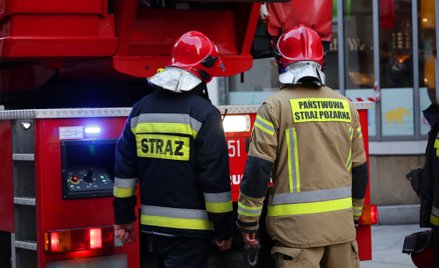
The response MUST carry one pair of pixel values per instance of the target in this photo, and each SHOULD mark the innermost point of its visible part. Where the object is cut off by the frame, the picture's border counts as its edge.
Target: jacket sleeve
(126, 176)
(256, 178)
(360, 170)
(213, 164)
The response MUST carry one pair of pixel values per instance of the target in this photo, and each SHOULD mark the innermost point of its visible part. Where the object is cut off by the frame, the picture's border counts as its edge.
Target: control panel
(87, 168)
(88, 178)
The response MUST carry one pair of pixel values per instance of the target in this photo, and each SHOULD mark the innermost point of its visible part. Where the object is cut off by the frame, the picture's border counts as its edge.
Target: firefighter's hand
(224, 244)
(125, 232)
(356, 222)
(250, 239)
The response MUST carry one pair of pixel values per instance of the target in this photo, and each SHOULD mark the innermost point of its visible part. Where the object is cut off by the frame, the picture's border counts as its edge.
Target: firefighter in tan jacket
(307, 139)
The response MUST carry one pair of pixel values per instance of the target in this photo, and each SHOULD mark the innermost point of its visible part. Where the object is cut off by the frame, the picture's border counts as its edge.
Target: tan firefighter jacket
(308, 141)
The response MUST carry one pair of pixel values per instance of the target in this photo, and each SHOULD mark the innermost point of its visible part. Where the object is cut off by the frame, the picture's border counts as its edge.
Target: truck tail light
(369, 215)
(79, 239)
(236, 123)
(95, 238)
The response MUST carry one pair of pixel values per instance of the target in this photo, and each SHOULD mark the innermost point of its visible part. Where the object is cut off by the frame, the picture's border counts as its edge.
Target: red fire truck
(69, 71)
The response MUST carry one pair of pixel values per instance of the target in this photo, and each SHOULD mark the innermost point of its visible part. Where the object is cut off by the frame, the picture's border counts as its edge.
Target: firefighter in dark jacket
(425, 181)
(173, 146)
(429, 190)
(307, 139)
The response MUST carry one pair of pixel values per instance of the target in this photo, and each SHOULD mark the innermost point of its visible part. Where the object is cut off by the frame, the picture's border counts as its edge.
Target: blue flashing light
(92, 130)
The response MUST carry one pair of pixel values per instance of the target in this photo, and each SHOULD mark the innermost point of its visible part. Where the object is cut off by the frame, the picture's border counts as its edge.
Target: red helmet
(298, 44)
(195, 53)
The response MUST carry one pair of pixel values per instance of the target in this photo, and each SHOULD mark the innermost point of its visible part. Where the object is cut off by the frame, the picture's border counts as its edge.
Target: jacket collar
(432, 114)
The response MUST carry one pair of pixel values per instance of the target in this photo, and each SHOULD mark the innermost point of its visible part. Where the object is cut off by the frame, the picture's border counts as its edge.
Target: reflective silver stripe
(249, 211)
(182, 213)
(295, 181)
(435, 211)
(310, 196)
(351, 133)
(166, 118)
(218, 197)
(267, 125)
(125, 183)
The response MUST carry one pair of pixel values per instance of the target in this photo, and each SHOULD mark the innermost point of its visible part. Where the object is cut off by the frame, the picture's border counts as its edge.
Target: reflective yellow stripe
(296, 161)
(360, 133)
(175, 128)
(309, 196)
(358, 211)
(249, 214)
(163, 146)
(351, 133)
(320, 110)
(264, 125)
(123, 192)
(178, 223)
(219, 207)
(436, 143)
(265, 121)
(249, 211)
(349, 161)
(434, 220)
(310, 208)
(290, 164)
(249, 208)
(293, 160)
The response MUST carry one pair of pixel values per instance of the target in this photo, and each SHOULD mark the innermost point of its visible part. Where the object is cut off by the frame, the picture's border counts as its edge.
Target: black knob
(89, 176)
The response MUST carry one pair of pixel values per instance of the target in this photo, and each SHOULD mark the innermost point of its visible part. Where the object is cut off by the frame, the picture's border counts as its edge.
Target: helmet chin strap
(201, 90)
(310, 82)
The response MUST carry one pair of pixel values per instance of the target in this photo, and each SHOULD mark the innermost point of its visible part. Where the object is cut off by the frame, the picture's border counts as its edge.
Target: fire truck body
(56, 194)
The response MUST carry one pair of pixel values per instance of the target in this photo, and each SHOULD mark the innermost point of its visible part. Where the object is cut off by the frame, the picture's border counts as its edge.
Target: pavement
(387, 241)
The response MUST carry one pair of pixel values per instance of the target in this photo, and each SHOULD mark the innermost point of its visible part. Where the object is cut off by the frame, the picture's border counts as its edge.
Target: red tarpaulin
(316, 14)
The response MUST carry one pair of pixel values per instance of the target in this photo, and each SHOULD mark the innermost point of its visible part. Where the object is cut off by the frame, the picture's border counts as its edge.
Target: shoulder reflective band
(320, 110)
(218, 202)
(249, 211)
(349, 160)
(360, 133)
(178, 218)
(165, 123)
(264, 125)
(317, 201)
(351, 133)
(293, 160)
(163, 146)
(124, 187)
(434, 216)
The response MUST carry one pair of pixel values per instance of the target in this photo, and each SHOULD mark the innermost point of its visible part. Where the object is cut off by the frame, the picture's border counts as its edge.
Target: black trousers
(180, 252)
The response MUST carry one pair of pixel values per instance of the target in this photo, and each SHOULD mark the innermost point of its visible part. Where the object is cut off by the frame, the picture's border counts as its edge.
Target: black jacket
(174, 146)
(429, 183)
